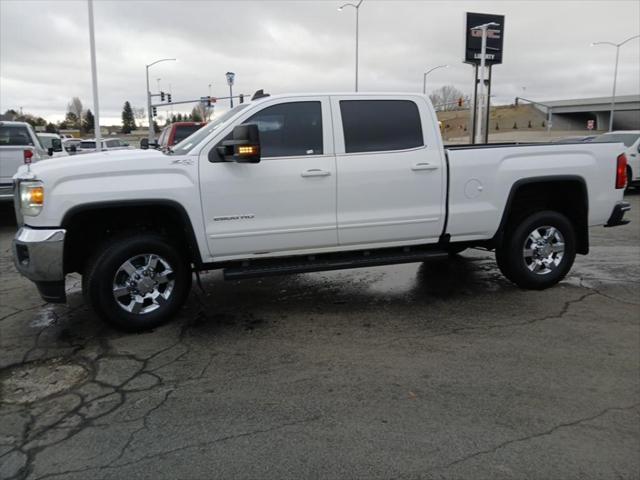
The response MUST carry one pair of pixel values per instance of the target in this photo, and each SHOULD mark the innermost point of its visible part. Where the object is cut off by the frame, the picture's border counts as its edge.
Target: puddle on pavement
(34, 381)
(44, 318)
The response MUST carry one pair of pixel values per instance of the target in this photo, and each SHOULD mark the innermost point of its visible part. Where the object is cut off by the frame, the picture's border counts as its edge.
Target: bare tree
(204, 112)
(139, 114)
(446, 97)
(75, 107)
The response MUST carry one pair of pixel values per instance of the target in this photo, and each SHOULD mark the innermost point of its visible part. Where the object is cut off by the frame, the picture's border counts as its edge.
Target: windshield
(46, 141)
(192, 140)
(626, 138)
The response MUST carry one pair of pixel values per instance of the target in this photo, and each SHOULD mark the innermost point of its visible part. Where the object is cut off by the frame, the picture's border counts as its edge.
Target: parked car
(18, 145)
(71, 145)
(584, 138)
(631, 140)
(301, 183)
(53, 144)
(89, 145)
(176, 132)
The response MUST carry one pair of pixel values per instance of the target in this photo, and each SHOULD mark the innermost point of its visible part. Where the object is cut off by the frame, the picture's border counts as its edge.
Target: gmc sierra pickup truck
(300, 183)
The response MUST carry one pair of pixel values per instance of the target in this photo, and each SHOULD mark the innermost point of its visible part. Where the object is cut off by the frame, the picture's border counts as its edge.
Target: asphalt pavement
(441, 370)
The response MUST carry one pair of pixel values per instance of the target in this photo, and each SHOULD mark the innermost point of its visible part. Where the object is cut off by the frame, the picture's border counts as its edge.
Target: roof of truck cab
(13, 123)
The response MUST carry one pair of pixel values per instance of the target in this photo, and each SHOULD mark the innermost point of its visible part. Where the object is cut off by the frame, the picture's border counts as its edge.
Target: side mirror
(56, 145)
(144, 144)
(50, 151)
(244, 146)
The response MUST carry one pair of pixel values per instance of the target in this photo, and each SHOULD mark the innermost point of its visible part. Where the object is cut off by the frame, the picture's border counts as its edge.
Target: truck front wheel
(137, 282)
(539, 251)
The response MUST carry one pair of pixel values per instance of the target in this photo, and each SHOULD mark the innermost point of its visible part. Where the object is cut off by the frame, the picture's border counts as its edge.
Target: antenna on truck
(259, 94)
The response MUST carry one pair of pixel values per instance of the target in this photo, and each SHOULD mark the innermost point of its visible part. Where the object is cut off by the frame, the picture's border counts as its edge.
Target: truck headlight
(31, 197)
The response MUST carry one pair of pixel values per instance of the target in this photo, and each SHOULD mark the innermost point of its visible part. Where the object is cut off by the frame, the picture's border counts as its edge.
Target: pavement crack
(532, 436)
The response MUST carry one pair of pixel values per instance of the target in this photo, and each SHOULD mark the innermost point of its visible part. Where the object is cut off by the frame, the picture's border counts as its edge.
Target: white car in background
(89, 145)
(631, 140)
(52, 143)
(71, 145)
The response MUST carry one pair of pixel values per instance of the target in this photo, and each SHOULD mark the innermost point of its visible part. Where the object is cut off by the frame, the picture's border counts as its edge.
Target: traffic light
(169, 97)
(155, 112)
(516, 102)
(208, 101)
(162, 96)
(460, 101)
(241, 96)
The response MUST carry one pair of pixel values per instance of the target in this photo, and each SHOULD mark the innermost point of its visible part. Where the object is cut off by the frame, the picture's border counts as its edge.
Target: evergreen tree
(88, 122)
(128, 119)
(51, 128)
(195, 115)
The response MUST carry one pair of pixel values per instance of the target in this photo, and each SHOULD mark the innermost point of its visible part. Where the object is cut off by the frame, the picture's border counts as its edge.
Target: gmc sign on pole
(495, 38)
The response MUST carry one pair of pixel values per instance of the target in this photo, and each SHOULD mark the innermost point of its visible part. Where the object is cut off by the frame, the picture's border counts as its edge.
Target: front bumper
(617, 216)
(6, 193)
(38, 255)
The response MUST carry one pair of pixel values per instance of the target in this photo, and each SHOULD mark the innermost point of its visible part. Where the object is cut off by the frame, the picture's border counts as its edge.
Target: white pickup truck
(299, 183)
(18, 145)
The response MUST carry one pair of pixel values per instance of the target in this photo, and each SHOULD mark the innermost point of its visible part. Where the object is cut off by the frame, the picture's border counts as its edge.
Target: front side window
(380, 125)
(290, 129)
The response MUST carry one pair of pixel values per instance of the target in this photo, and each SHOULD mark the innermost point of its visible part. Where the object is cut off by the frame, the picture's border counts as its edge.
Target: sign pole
(488, 110)
(473, 105)
(483, 54)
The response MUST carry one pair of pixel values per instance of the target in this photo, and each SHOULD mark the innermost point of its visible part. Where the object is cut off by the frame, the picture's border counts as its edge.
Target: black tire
(629, 178)
(516, 267)
(99, 280)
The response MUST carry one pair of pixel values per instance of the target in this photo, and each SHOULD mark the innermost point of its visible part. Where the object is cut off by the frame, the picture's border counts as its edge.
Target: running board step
(317, 263)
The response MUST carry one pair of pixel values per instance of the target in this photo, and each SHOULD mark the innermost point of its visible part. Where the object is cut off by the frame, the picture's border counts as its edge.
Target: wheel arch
(90, 222)
(549, 192)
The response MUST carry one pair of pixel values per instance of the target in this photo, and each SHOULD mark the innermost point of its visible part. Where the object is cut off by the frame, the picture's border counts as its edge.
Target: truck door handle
(424, 166)
(315, 172)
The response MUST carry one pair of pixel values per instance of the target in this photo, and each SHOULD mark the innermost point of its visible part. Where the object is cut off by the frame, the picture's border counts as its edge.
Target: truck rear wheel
(539, 251)
(137, 282)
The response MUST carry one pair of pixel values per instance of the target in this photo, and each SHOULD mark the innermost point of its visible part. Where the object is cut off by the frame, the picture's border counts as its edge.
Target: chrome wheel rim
(143, 283)
(543, 250)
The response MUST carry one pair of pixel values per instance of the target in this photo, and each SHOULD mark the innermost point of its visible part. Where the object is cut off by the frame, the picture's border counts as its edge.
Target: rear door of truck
(391, 173)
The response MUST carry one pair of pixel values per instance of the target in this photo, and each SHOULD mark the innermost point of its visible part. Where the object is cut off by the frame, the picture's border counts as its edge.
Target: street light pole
(424, 79)
(94, 80)
(230, 79)
(483, 55)
(357, 7)
(151, 135)
(615, 73)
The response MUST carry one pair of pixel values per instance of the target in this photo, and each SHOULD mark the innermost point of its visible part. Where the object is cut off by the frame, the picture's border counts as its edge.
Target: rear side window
(183, 131)
(290, 129)
(14, 135)
(380, 125)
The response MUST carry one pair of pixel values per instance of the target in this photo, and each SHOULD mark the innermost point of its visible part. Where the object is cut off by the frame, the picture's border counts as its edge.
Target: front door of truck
(285, 203)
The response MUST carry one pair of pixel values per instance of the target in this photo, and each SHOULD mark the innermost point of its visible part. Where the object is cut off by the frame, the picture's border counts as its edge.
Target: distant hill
(455, 123)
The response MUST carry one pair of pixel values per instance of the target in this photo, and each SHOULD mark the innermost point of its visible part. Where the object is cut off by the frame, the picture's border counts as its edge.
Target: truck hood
(115, 161)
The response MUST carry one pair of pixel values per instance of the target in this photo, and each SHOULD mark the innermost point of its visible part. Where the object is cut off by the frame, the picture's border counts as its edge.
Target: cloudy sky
(302, 46)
